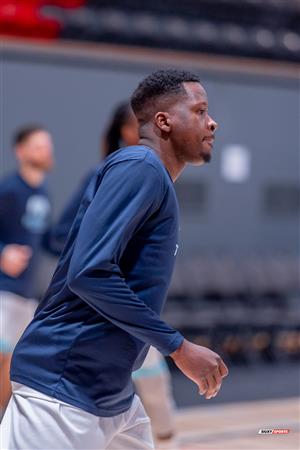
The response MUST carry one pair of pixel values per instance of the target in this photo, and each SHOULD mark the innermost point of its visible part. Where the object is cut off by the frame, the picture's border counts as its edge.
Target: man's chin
(206, 157)
(203, 158)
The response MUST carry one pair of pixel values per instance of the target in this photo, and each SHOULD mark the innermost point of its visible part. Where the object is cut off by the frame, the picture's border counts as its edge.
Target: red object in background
(64, 3)
(24, 17)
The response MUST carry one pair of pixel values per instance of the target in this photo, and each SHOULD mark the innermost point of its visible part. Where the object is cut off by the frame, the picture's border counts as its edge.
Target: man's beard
(206, 157)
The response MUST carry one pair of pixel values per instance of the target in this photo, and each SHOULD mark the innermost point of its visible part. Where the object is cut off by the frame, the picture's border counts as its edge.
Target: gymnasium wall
(73, 96)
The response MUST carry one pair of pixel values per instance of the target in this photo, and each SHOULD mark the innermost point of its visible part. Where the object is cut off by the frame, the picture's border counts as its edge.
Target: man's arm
(14, 258)
(122, 204)
(129, 193)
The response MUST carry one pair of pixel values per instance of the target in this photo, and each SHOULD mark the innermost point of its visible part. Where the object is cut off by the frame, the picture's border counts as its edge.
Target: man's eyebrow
(202, 104)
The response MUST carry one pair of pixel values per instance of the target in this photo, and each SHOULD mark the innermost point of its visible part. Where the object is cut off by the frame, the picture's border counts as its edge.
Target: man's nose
(212, 125)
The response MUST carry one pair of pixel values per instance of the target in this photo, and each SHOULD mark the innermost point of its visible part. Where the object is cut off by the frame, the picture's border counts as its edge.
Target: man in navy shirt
(24, 218)
(152, 381)
(71, 370)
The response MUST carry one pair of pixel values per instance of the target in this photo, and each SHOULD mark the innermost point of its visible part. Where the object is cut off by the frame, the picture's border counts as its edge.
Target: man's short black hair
(160, 84)
(23, 133)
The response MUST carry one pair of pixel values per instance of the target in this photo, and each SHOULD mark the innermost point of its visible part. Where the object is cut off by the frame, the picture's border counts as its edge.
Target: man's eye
(202, 112)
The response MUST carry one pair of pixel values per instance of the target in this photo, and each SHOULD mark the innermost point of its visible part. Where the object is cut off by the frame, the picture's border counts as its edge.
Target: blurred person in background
(153, 381)
(72, 368)
(24, 219)
(121, 131)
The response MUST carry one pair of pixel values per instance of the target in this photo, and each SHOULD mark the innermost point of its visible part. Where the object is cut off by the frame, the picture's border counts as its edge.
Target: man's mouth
(209, 139)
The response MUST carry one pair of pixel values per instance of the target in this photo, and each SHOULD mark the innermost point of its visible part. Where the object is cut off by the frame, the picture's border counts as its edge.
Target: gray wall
(74, 100)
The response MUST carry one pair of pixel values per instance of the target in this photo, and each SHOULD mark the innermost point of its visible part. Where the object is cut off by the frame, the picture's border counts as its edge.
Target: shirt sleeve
(128, 194)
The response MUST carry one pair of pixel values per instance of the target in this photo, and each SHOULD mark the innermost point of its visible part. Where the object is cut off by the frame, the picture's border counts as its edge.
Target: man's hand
(14, 259)
(201, 365)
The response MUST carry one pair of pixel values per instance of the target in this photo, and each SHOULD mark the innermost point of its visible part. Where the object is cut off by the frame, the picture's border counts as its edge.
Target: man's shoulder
(131, 153)
(134, 154)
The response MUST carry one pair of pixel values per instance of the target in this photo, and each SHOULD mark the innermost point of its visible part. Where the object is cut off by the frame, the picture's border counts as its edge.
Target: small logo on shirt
(37, 214)
(176, 249)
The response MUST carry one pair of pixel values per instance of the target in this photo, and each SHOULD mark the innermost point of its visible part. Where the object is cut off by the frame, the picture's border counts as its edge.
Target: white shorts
(15, 314)
(35, 421)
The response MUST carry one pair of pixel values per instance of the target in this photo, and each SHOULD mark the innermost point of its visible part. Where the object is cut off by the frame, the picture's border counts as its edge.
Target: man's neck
(168, 158)
(32, 175)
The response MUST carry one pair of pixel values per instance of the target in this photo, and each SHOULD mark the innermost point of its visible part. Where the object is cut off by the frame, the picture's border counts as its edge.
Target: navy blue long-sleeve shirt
(102, 308)
(24, 218)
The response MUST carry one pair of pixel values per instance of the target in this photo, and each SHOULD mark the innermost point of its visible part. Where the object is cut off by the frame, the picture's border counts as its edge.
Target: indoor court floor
(236, 426)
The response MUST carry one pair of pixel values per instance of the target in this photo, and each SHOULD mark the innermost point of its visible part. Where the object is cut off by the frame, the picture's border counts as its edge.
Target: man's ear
(163, 121)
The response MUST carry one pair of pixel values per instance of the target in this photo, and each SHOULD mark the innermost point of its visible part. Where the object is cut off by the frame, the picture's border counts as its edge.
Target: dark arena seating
(246, 308)
(250, 28)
